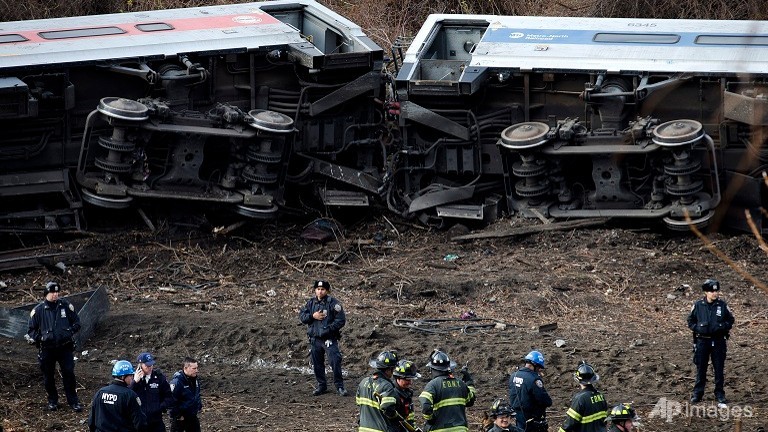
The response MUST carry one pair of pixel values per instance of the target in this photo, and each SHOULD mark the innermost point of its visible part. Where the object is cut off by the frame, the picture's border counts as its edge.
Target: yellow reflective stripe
(593, 417)
(572, 413)
(365, 429)
(451, 429)
(365, 401)
(387, 400)
(450, 402)
(426, 395)
(561, 430)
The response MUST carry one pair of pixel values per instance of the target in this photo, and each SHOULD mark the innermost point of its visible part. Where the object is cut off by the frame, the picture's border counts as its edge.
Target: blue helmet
(535, 358)
(122, 368)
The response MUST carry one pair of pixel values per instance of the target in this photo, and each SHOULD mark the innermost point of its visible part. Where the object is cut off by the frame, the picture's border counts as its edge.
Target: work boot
(721, 399)
(695, 398)
(53, 406)
(319, 391)
(342, 392)
(76, 407)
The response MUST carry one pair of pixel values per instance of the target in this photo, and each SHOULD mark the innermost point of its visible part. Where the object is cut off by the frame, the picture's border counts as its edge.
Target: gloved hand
(467, 377)
(29, 339)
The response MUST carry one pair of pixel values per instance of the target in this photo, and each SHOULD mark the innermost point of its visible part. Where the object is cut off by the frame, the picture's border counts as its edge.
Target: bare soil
(619, 297)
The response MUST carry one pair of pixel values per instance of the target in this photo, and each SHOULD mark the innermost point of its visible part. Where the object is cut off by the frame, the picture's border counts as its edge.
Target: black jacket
(527, 394)
(116, 408)
(587, 412)
(54, 325)
(330, 326)
(186, 396)
(710, 319)
(443, 403)
(155, 395)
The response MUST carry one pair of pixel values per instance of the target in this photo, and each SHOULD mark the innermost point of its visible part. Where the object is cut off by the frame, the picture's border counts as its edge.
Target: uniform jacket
(155, 394)
(376, 398)
(330, 326)
(54, 325)
(404, 405)
(116, 408)
(587, 412)
(443, 403)
(710, 319)
(186, 396)
(527, 394)
(511, 428)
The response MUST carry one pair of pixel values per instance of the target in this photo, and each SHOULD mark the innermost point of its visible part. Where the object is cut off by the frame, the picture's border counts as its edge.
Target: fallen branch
(557, 226)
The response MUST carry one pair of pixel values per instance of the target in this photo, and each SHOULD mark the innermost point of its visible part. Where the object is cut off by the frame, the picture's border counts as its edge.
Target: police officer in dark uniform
(404, 374)
(324, 318)
(115, 407)
(445, 398)
(527, 395)
(187, 403)
(52, 327)
(710, 321)
(588, 407)
(376, 396)
(153, 389)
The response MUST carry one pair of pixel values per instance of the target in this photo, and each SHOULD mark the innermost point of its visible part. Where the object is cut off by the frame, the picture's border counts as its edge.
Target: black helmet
(52, 287)
(406, 369)
(585, 374)
(500, 407)
(385, 360)
(621, 412)
(710, 285)
(440, 361)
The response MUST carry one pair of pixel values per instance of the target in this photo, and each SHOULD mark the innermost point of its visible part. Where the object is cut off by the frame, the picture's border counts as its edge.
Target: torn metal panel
(419, 114)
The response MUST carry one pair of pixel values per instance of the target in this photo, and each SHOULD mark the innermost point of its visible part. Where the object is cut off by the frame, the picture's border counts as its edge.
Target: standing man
(588, 407)
(154, 391)
(710, 321)
(185, 389)
(324, 318)
(502, 415)
(527, 395)
(116, 407)
(445, 398)
(621, 419)
(52, 327)
(404, 374)
(376, 396)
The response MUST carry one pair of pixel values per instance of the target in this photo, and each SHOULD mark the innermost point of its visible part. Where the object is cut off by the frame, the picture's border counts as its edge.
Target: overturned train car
(584, 117)
(262, 109)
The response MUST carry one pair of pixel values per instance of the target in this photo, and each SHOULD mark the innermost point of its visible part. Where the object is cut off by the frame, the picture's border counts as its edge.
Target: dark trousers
(155, 426)
(318, 351)
(48, 357)
(188, 424)
(706, 349)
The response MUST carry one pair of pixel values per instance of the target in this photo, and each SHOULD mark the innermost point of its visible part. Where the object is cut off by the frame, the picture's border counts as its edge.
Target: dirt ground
(618, 295)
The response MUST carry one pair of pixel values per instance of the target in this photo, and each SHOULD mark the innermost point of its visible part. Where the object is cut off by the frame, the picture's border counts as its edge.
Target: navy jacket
(710, 319)
(155, 395)
(116, 408)
(54, 325)
(527, 394)
(330, 326)
(186, 396)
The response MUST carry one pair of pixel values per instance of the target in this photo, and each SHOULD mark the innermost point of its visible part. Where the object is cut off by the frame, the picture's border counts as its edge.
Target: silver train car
(582, 118)
(250, 108)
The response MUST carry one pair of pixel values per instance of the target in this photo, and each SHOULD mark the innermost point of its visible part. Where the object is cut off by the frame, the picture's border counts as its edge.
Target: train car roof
(168, 33)
(528, 43)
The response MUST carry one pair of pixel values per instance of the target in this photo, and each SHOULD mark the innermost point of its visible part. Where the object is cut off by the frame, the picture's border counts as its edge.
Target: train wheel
(106, 202)
(683, 225)
(263, 213)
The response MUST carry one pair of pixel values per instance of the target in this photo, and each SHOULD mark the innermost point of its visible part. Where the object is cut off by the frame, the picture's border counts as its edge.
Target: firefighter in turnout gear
(404, 374)
(710, 321)
(445, 398)
(622, 418)
(527, 395)
(503, 418)
(117, 408)
(376, 396)
(588, 407)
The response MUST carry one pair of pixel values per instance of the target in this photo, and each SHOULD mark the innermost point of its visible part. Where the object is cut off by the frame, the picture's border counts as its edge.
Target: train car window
(731, 40)
(8, 38)
(84, 32)
(153, 27)
(644, 38)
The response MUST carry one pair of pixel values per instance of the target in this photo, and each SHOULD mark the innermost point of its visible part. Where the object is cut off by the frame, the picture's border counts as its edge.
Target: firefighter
(502, 416)
(588, 407)
(445, 398)
(404, 374)
(710, 321)
(527, 395)
(376, 396)
(622, 418)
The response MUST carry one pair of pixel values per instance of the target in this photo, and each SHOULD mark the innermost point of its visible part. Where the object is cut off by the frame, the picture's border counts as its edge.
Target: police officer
(445, 398)
(187, 404)
(376, 396)
(502, 415)
(153, 389)
(527, 395)
(52, 327)
(622, 418)
(117, 408)
(710, 321)
(405, 373)
(324, 318)
(588, 407)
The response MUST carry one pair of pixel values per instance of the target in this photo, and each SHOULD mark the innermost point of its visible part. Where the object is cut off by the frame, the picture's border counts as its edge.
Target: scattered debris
(560, 343)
